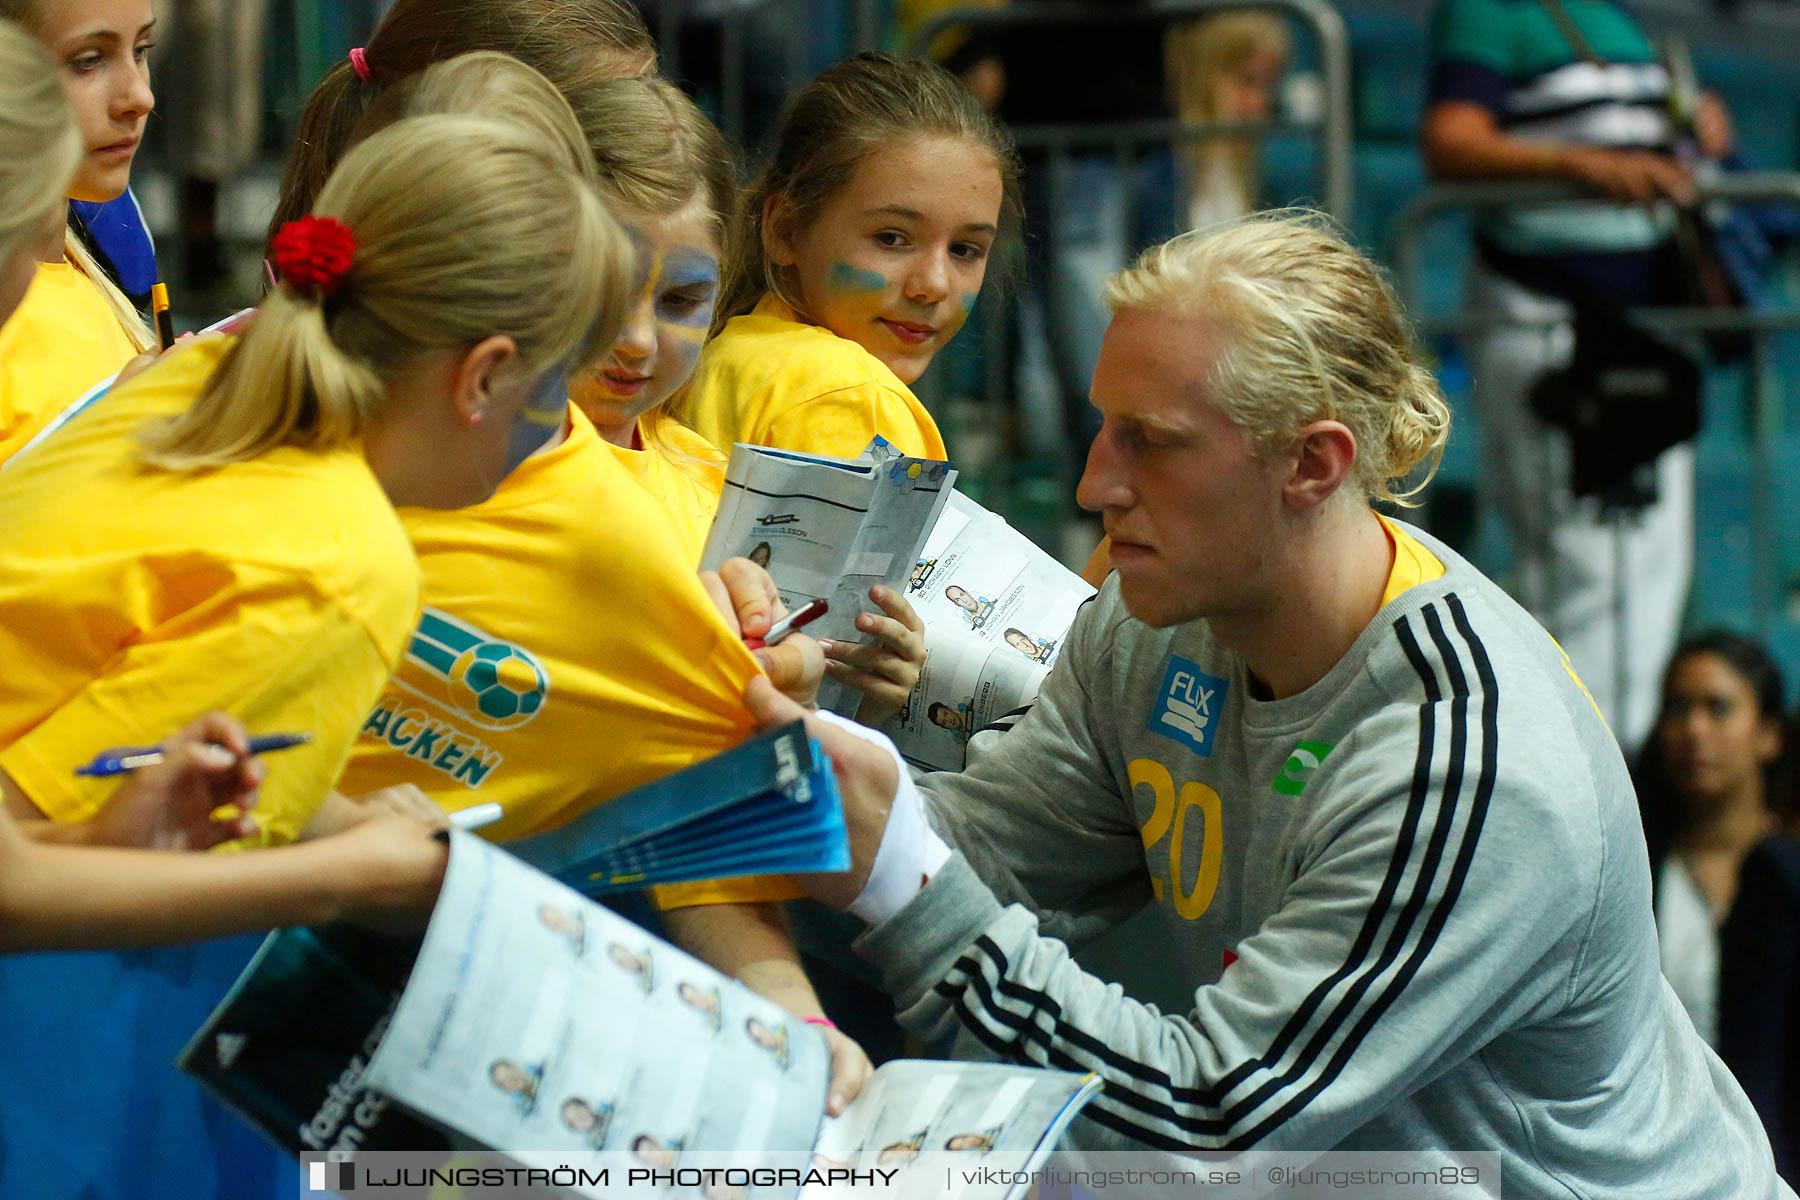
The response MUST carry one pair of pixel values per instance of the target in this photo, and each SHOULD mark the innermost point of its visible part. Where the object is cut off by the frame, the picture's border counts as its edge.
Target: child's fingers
(896, 605)
(906, 643)
(215, 729)
(879, 675)
(753, 596)
(874, 658)
(878, 687)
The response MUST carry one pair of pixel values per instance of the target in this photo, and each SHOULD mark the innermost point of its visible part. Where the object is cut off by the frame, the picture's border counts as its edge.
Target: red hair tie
(359, 62)
(314, 253)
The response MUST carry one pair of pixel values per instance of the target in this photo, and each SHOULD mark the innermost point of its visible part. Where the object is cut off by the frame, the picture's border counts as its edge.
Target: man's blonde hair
(1312, 332)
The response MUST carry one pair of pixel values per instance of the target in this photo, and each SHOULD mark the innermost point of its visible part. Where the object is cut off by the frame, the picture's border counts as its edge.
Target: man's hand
(886, 667)
(745, 596)
(1629, 176)
(1712, 127)
(867, 779)
(169, 806)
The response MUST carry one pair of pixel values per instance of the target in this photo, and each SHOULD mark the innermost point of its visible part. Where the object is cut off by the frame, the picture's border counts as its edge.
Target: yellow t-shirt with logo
(62, 340)
(772, 380)
(683, 470)
(606, 665)
(281, 589)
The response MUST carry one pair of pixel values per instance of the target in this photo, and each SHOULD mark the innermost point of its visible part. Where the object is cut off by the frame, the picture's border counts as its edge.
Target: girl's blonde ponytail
(465, 227)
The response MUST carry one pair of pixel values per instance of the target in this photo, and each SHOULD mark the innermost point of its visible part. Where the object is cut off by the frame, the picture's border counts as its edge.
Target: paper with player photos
(535, 1019)
(996, 610)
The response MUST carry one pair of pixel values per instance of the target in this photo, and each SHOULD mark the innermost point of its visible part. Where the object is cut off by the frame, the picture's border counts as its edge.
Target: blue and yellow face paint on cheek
(673, 310)
(964, 309)
(540, 419)
(847, 278)
(687, 290)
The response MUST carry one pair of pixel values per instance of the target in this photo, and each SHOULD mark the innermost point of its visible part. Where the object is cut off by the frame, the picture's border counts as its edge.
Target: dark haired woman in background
(1718, 815)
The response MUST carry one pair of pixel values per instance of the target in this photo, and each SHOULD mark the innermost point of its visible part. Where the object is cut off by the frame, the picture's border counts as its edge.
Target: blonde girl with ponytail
(221, 533)
(623, 671)
(96, 883)
(75, 328)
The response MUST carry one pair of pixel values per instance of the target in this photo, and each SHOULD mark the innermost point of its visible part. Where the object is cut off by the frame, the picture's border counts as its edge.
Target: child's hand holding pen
(745, 595)
(192, 792)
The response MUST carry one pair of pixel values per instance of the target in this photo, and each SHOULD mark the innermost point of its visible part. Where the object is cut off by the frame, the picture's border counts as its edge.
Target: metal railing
(1337, 180)
(1757, 325)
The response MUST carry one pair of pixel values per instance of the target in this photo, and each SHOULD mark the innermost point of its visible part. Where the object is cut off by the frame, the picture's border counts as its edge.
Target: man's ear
(472, 383)
(777, 245)
(1323, 456)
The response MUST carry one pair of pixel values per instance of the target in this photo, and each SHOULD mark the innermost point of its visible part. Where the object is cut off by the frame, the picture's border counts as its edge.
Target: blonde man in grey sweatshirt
(1394, 846)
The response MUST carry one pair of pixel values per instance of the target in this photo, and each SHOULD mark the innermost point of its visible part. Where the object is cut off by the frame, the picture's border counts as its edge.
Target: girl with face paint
(865, 243)
(568, 651)
(668, 173)
(221, 531)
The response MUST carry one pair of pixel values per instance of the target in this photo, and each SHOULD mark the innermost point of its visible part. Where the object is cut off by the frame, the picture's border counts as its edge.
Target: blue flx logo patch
(1188, 706)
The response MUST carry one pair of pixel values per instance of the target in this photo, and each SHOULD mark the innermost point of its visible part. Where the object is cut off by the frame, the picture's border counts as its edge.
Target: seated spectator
(1707, 787)
(1718, 807)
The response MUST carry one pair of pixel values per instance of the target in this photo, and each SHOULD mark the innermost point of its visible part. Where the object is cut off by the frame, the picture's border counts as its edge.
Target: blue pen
(124, 759)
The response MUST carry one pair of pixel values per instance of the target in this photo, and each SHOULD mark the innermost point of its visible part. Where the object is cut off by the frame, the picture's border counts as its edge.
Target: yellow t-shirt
(62, 340)
(280, 589)
(684, 471)
(607, 666)
(772, 380)
(1413, 563)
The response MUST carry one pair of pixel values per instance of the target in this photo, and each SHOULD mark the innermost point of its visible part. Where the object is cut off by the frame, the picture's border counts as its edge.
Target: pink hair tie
(359, 62)
(827, 1022)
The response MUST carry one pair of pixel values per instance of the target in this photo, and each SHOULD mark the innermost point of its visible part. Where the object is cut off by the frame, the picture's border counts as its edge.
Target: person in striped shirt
(1572, 91)
(1393, 847)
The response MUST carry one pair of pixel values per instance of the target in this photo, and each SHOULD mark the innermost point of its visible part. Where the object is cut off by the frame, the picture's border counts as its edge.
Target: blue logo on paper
(1188, 706)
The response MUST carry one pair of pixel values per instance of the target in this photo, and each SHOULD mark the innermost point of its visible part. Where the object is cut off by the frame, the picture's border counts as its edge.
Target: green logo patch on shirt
(1304, 760)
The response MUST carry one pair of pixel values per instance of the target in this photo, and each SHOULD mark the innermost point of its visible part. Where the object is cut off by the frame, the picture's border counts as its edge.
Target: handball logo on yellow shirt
(494, 684)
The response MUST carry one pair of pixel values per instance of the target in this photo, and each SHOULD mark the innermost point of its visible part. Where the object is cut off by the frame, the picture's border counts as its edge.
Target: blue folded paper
(767, 807)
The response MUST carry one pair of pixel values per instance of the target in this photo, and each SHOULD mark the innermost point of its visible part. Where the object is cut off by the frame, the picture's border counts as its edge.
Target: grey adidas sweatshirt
(1413, 902)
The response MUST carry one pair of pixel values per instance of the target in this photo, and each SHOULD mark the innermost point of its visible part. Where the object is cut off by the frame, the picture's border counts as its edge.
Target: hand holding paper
(885, 667)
